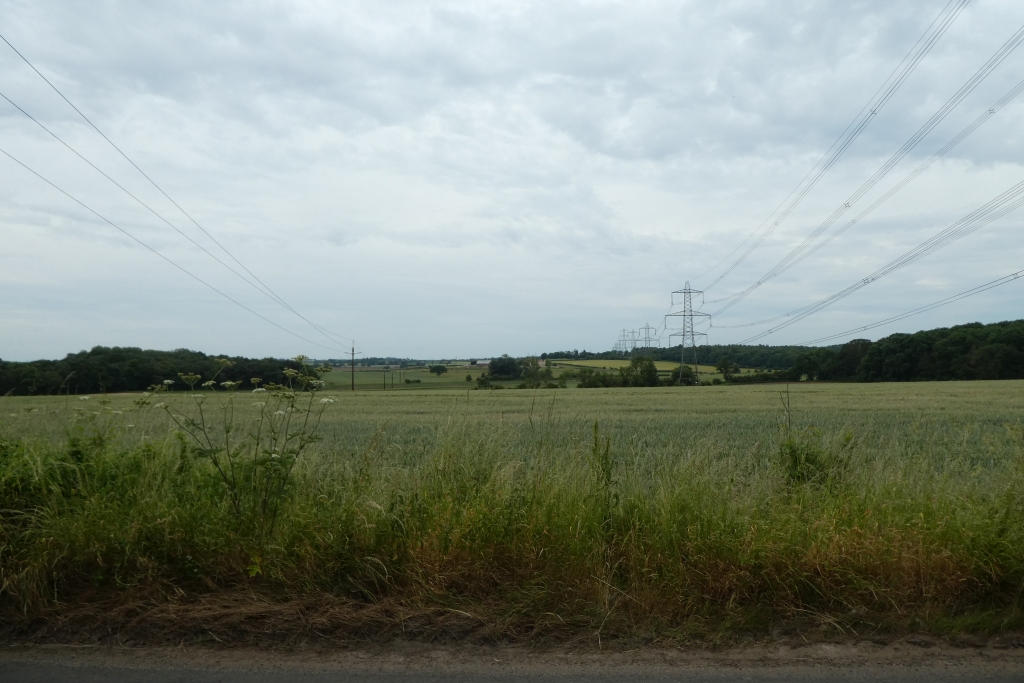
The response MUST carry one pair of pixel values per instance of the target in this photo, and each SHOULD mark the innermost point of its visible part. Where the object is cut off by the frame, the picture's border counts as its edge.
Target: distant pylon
(625, 343)
(690, 319)
(647, 337)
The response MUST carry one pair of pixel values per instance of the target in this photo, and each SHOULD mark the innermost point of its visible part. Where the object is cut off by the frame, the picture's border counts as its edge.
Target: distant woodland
(105, 369)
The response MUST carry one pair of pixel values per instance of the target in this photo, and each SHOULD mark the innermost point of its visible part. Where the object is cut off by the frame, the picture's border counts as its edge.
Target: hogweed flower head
(190, 378)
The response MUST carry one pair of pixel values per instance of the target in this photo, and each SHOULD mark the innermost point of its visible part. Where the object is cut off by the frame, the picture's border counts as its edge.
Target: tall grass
(546, 521)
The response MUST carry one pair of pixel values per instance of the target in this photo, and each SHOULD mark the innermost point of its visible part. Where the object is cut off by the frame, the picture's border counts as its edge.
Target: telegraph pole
(353, 368)
(690, 318)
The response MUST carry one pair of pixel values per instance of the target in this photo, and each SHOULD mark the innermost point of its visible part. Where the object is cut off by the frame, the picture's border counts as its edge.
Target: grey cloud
(604, 152)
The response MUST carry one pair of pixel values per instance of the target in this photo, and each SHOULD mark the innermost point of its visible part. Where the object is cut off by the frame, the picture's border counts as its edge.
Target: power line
(139, 201)
(281, 301)
(923, 309)
(910, 177)
(998, 207)
(165, 258)
(932, 34)
(967, 88)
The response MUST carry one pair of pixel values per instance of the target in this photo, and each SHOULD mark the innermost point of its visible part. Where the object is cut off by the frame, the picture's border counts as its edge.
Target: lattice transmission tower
(646, 337)
(625, 342)
(690, 320)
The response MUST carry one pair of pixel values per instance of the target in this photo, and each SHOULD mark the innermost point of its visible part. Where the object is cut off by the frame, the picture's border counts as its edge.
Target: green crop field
(673, 513)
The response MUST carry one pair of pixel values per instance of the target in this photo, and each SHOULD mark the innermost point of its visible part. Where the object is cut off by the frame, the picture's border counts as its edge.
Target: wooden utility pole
(353, 368)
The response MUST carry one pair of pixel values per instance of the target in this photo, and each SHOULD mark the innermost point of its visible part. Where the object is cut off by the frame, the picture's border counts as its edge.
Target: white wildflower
(279, 412)
(327, 400)
(159, 405)
(168, 382)
(259, 390)
(259, 404)
(84, 398)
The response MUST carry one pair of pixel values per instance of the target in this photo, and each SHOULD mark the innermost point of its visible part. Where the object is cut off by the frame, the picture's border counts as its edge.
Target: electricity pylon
(690, 320)
(646, 337)
(625, 343)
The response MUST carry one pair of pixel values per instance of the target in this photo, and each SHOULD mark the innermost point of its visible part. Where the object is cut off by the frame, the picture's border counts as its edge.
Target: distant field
(373, 379)
(672, 513)
(663, 366)
(377, 379)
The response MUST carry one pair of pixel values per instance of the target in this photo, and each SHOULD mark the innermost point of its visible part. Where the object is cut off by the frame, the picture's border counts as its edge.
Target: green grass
(685, 513)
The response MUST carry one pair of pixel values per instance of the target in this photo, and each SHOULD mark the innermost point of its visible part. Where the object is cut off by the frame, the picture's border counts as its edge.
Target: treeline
(105, 369)
(760, 357)
(964, 352)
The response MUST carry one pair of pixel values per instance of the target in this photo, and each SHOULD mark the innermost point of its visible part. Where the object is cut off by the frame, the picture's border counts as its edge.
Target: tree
(469, 378)
(438, 369)
(505, 368)
(687, 374)
(727, 367)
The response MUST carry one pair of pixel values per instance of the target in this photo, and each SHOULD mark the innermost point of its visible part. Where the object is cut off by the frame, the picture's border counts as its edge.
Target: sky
(466, 179)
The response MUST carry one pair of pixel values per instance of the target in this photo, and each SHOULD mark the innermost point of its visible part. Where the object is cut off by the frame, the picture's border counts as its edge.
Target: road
(855, 663)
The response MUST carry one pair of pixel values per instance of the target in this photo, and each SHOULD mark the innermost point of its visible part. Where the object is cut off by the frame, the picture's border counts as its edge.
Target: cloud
(494, 176)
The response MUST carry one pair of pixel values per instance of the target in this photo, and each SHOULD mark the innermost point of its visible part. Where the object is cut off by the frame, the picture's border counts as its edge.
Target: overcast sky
(446, 179)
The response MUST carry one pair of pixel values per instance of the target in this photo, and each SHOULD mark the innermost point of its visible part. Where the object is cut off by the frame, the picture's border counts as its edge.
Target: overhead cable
(165, 258)
(973, 82)
(321, 330)
(998, 207)
(932, 34)
(142, 203)
(910, 177)
(923, 309)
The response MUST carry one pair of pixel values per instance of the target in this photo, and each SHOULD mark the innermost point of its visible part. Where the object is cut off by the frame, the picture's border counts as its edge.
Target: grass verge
(552, 527)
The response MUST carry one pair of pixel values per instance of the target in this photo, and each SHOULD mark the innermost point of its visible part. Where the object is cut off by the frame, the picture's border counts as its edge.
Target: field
(378, 379)
(672, 513)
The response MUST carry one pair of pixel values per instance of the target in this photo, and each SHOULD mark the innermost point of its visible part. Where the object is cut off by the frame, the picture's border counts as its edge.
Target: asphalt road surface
(855, 663)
